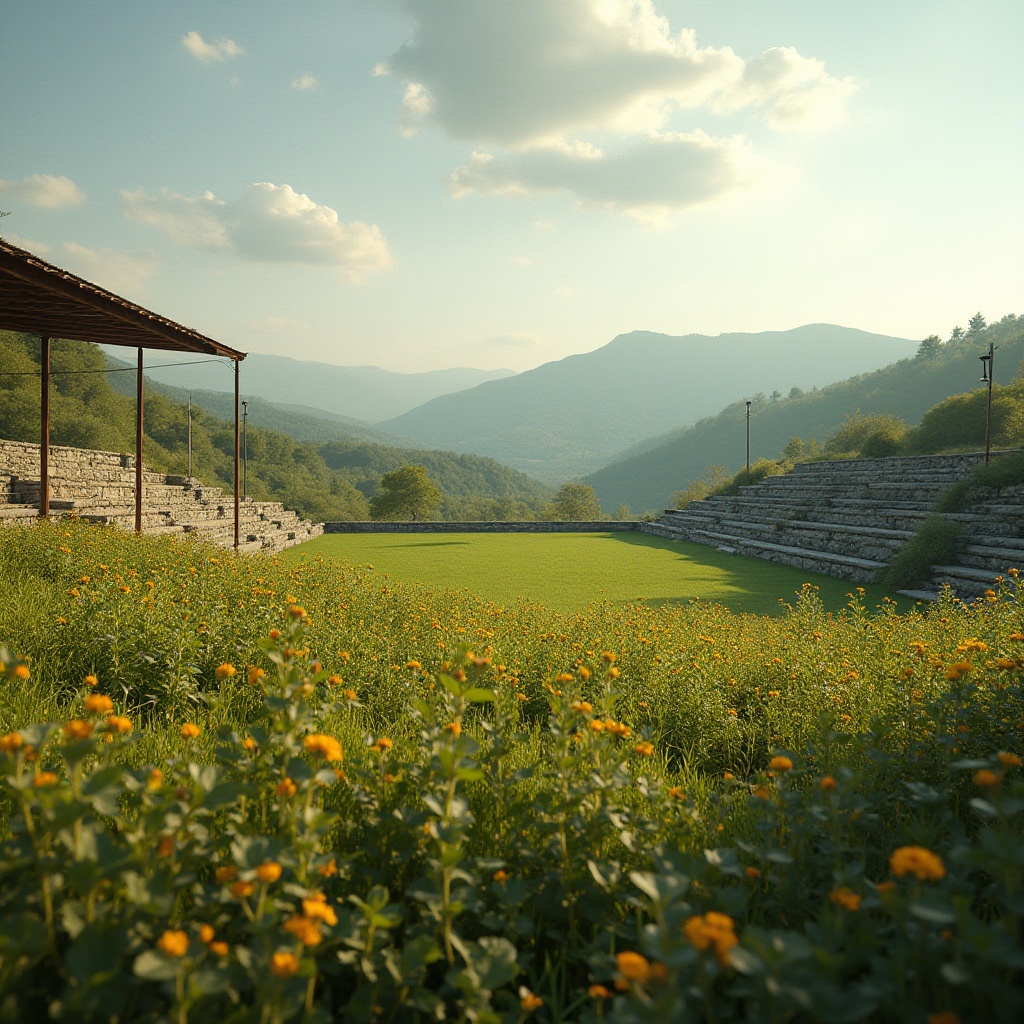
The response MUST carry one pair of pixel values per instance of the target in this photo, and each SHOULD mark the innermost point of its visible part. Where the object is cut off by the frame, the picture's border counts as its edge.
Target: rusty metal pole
(44, 436)
(237, 445)
(139, 401)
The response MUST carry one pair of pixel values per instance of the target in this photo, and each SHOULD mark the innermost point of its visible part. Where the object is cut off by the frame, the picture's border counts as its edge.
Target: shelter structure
(39, 298)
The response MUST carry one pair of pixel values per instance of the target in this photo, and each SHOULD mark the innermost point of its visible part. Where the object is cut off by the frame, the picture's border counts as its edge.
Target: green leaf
(96, 954)
(154, 967)
(479, 695)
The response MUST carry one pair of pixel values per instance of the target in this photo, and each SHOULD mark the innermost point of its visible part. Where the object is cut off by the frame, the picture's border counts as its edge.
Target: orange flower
(676, 792)
(598, 992)
(827, 784)
(633, 966)
(529, 1002)
(752, 872)
(90, 681)
(77, 729)
(501, 877)
(644, 749)
(986, 779)
(321, 745)
(219, 948)
(249, 744)
(173, 944)
(240, 890)
(165, 847)
(917, 861)
(12, 741)
(255, 675)
(206, 933)
(269, 871)
(118, 723)
(225, 873)
(283, 965)
(845, 898)
(317, 907)
(21, 672)
(98, 704)
(1009, 760)
(306, 930)
(712, 931)
(383, 744)
(943, 1017)
(454, 728)
(779, 763)
(42, 779)
(190, 730)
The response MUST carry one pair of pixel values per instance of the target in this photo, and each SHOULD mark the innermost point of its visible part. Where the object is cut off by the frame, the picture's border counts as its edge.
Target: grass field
(569, 571)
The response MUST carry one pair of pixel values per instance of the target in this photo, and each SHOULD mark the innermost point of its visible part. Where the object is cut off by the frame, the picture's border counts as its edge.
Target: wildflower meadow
(244, 789)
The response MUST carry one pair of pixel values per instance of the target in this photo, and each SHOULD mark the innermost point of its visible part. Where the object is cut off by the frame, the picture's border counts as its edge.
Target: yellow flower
(598, 992)
(383, 744)
(958, 669)
(917, 861)
(219, 948)
(286, 787)
(306, 930)
(283, 965)
(583, 706)
(255, 675)
(91, 681)
(633, 966)
(43, 779)
(644, 749)
(454, 728)
(225, 671)
(415, 665)
(269, 871)
(845, 898)
(780, 764)
(77, 729)
(118, 723)
(321, 745)
(249, 744)
(190, 730)
(98, 704)
(173, 944)
(240, 890)
(676, 792)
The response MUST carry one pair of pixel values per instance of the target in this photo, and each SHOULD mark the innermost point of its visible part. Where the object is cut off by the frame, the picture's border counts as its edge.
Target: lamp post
(245, 452)
(987, 373)
(190, 435)
(748, 441)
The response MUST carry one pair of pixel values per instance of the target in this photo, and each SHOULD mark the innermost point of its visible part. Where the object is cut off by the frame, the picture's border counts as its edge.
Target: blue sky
(469, 182)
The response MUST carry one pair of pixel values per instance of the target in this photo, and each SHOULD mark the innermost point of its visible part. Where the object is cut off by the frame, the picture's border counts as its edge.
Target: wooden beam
(44, 427)
(139, 401)
(236, 455)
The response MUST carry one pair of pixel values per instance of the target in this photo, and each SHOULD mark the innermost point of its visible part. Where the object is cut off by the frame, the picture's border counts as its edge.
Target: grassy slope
(569, 571)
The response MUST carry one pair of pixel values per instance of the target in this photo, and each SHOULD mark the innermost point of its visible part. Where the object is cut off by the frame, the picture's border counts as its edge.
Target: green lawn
(568, 571)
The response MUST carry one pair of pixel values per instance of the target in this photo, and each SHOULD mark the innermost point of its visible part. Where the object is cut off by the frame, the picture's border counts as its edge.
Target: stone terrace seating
(100, 487)
(850, 518)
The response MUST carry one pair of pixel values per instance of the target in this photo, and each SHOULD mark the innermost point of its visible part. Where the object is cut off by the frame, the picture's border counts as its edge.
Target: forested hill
(331, 481)
(906, 389)
(574, 415)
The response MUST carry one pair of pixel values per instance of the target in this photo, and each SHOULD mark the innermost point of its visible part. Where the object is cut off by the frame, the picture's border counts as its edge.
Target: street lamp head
(985, 368)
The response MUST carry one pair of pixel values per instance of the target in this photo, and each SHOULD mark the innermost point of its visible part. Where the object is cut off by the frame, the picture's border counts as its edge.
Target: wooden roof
(37, 297)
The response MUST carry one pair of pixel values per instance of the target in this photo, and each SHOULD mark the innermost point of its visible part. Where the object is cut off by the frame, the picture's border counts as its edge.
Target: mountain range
(572, 416)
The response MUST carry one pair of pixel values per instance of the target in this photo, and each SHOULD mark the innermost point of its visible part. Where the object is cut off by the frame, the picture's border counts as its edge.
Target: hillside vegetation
(571, 416)
(331, 481)
(245, 791)
(905, 391)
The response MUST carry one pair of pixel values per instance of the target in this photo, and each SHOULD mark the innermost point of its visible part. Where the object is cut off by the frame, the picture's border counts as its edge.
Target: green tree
(929, 347)
(976, 324)
(405, 493)
(574, 502)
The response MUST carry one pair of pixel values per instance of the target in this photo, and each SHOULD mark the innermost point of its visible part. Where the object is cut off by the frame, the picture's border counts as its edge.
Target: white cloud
(797, 91)
(120, 272)
(648, 180)
(523, 261)
(48, 190)
(220, 49)
(380, 70)
(271, 223)
(305, 83)
(279, 325)
(538, 87)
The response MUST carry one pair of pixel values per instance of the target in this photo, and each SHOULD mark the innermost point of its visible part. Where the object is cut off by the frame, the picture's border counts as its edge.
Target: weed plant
(236, 789)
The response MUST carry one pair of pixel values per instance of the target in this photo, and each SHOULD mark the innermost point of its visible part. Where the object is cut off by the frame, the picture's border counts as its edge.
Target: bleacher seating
(850, 518)
(100, 487)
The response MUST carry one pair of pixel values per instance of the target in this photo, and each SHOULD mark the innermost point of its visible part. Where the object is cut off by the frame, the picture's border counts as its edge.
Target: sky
(434, 183)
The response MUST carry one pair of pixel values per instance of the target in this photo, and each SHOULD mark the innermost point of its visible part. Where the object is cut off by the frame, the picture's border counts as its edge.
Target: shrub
(936, 542)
